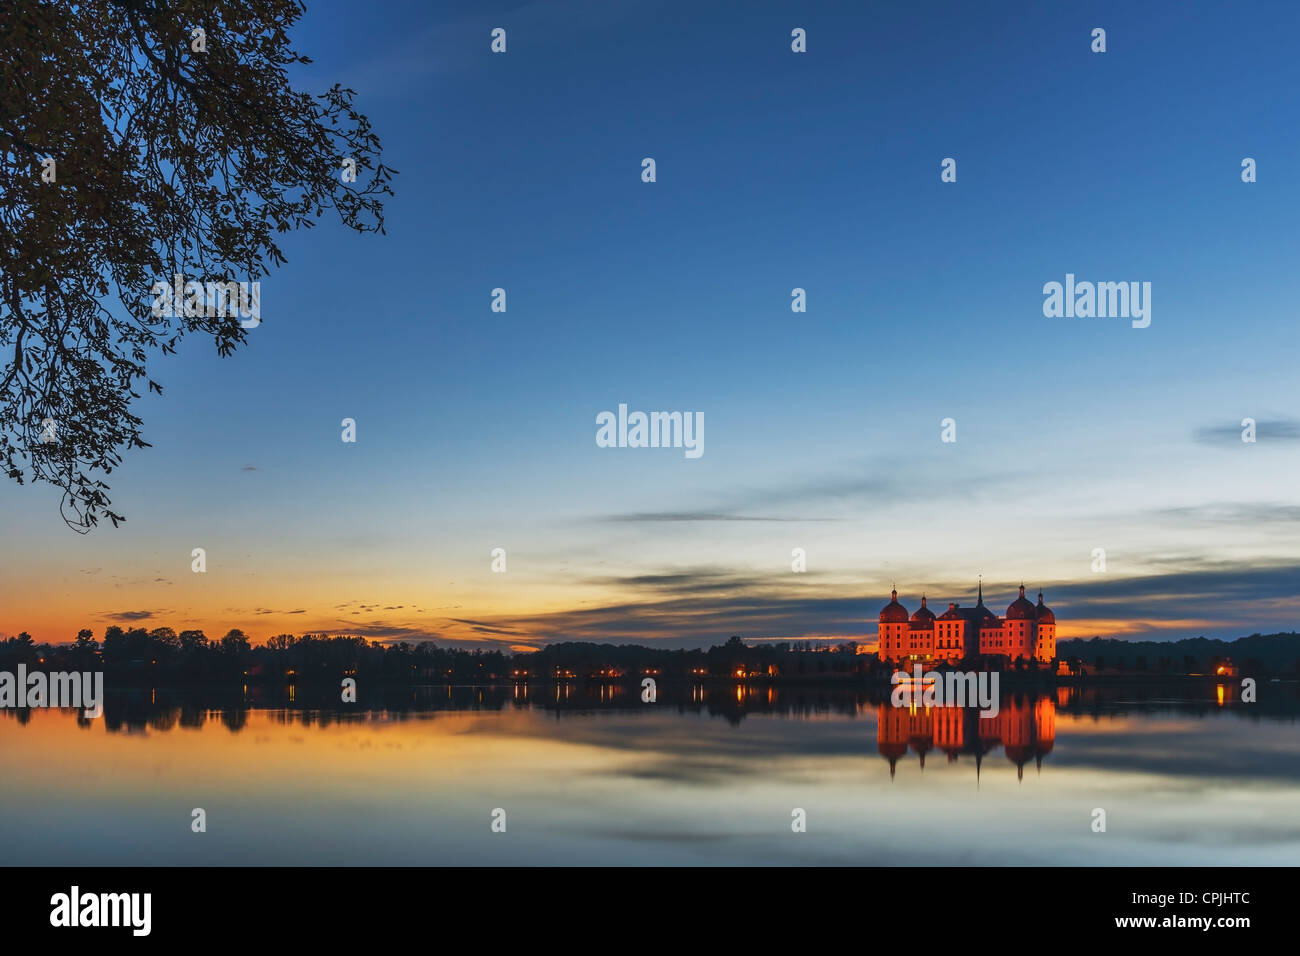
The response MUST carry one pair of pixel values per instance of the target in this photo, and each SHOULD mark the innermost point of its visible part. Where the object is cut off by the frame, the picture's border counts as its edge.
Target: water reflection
(1024, 727)
(707, 774)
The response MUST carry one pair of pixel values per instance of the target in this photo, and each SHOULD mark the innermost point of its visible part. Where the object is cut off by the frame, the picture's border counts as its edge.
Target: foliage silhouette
(166, 161)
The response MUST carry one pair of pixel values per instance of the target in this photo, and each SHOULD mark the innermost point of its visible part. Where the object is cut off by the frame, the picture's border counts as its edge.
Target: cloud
(880, 482)
(484, 627)
(1234, 513)
(697, 516)
(130, 616)
(854, 487)
(699, 607)
(696, 580)
(1278, 429)
(384, 631)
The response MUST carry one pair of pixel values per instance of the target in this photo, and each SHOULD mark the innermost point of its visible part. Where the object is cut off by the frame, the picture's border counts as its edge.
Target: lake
(709, 774)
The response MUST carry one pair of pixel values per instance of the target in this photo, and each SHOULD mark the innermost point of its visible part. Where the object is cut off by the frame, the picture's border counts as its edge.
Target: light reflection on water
(708, 774)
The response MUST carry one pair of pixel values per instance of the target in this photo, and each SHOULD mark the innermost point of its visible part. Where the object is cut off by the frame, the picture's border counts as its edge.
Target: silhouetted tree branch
(166, 161)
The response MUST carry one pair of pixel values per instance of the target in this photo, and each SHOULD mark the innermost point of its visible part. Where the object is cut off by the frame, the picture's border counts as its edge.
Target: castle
(1026, 632)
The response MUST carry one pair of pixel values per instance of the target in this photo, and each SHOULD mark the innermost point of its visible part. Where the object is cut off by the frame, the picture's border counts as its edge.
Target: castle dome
(923, 614)
(893, 612)
(1044, 613)
(1020, 609)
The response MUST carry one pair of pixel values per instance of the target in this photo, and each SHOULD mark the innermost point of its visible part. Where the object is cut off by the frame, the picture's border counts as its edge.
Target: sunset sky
(476, 430)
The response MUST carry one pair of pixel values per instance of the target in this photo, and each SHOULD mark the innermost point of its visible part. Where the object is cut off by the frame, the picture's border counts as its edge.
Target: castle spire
(981, 596)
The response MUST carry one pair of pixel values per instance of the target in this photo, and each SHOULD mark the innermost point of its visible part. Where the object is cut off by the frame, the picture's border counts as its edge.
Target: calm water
(708, 775)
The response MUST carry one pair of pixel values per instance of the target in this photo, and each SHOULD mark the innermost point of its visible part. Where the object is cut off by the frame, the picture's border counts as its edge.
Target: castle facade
(1027, 632)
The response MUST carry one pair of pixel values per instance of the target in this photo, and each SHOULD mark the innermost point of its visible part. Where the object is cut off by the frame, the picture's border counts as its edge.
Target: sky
(775, 170)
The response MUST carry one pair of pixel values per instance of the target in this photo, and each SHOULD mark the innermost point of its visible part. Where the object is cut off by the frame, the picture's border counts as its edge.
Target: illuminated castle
(1027, 631)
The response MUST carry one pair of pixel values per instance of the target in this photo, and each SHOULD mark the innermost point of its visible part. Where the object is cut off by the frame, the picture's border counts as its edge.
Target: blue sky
(775, 170)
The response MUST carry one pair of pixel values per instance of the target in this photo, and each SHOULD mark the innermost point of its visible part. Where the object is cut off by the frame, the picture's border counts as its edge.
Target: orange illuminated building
(1027, 632)
(1024, 730)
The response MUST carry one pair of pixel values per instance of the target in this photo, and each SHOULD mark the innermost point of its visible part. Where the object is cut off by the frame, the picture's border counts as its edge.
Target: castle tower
(894, 629)
(921, 633)
(1046, 621)
(1021, 628)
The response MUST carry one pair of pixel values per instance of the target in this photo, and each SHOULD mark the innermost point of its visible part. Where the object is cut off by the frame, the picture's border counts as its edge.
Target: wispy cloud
(382, 630)
(485, 627)
(849, 489)
(697, 516)
(698, 607)
(1234, 512)
(1277, 429)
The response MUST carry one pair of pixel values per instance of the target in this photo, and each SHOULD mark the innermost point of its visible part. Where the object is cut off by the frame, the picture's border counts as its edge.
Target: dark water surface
(709, 774)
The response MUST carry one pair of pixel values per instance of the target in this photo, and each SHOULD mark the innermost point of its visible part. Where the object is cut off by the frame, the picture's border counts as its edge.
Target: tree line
(192, 655)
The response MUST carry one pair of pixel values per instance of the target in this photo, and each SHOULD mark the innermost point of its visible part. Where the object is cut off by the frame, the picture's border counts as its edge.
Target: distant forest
(1265, 654)
(191, 656)
(162, 653)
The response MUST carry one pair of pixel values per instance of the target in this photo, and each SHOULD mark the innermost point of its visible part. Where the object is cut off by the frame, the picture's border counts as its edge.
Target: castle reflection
(1025, 729)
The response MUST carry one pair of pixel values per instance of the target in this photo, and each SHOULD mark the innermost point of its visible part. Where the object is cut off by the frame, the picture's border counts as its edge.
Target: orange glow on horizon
(53, 604)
